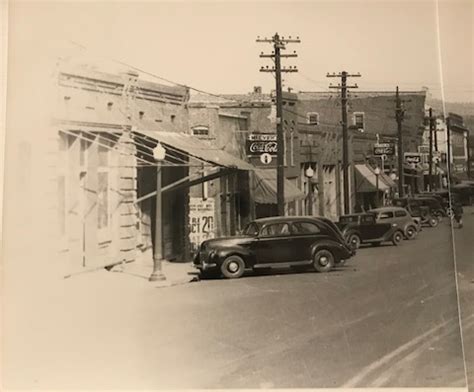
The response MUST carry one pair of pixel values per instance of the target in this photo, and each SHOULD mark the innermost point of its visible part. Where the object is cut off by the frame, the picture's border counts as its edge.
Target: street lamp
(377, 173)
(309, 173)
(159, 153)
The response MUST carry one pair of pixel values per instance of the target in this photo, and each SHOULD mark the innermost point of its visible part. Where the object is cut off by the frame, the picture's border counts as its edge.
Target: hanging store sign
(261, 143)
(201, 221)
(384, 149)
(412, 158)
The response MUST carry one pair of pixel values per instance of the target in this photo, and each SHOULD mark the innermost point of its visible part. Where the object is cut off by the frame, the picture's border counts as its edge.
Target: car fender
(338, 249)
(351, 231)
(247, 255)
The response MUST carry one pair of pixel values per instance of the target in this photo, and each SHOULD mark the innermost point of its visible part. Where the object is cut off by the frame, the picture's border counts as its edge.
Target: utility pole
(430, 163)
(448, 146)
(279, 43)
(399, 115)
(345, 139)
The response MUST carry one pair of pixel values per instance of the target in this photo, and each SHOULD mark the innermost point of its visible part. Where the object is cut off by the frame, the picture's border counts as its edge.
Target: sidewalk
(135, 275)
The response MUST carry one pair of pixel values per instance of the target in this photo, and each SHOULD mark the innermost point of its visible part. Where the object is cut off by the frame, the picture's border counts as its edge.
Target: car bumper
(204, 263)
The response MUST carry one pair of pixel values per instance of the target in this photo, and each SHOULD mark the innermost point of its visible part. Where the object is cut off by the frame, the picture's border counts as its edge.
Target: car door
(305, 234)
(369, 229)
(273, 244)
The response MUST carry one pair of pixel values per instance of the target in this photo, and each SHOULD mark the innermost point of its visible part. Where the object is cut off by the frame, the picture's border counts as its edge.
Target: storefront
(372, 188)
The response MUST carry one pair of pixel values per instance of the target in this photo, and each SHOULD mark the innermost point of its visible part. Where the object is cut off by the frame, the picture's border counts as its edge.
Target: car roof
(356, 214)
(277, 219)
(384, 209)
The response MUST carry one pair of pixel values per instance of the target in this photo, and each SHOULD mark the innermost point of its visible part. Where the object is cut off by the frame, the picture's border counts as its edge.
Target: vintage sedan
(410, 226)
(364, 229)
(275, 242)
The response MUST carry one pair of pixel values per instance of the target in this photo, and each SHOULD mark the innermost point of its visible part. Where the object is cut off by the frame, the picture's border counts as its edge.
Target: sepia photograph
(237, 195)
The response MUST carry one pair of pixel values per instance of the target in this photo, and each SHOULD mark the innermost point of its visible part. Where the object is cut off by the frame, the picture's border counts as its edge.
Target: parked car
(410, 226)
(417, 209)
(275, 242)
(434, 203)
(465, 192)
(364, 229)
(446, 199)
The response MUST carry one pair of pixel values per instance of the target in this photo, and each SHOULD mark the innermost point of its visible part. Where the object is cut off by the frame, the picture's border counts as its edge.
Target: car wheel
(233, 267)
(411, 232)
(397, 237)
(450, 212)
(433, 222)
(323, 260)
(354, 241)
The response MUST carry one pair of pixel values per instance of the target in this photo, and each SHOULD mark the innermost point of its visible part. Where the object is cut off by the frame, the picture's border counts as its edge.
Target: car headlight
(394, 225)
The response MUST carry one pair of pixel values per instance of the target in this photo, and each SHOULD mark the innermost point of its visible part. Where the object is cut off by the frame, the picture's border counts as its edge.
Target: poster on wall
(201, 221)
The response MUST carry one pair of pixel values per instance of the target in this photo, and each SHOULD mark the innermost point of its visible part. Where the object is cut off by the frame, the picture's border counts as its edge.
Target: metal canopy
(197, 148)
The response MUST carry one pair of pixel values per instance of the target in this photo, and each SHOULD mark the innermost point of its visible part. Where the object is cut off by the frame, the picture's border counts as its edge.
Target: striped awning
(265, 191)
(366, 179)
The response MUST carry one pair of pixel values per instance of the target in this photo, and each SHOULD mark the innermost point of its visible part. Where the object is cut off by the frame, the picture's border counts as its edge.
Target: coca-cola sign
(262, 143)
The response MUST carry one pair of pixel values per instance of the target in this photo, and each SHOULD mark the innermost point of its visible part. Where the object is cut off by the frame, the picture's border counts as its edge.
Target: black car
(417, 208)
(448, 201)
(433, 202)
(362, 229)
(275, 242)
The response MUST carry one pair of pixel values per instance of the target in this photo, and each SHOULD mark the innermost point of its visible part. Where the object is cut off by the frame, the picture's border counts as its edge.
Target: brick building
(371, 120)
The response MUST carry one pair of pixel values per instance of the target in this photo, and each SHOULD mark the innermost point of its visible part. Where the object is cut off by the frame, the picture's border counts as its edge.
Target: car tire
(433, 222)
(450, 212)
(233, 267)
(354, 241)
(323, 260)
(411, 232)
(397, 237)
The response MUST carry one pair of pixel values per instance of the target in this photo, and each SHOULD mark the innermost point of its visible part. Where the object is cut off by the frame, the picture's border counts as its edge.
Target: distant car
(409, 225)
(417, 208)
(448, 201)
(275, 242)
(433, 202)
(363, 228)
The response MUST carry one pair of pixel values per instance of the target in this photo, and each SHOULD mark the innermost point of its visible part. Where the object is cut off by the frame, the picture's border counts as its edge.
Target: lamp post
(159, 154)
(309, 173)
(377, 173)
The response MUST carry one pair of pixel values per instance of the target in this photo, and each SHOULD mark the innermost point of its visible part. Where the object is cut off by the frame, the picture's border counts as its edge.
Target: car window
(400, 213)
(368, 219)
(275, 229)
(306, 228)
(348, 219)
(251, 229)
(386, 215)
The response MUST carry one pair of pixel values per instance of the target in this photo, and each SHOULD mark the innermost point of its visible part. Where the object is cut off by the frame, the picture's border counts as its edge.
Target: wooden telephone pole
(279, 43)
(345, 139)
(430, 162)
(399, 116)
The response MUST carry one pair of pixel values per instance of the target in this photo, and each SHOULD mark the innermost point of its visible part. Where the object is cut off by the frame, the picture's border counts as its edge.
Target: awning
(194, 147)
(265, 191)
(366, 179)
(442, 168)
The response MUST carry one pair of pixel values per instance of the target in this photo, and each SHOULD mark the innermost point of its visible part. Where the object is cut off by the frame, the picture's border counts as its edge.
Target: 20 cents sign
(201, 221)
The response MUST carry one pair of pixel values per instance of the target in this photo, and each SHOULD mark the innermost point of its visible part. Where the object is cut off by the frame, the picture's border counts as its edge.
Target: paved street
(465, 270)
(387, 319)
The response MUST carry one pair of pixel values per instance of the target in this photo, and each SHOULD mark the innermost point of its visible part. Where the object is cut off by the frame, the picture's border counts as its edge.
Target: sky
(211, 46)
